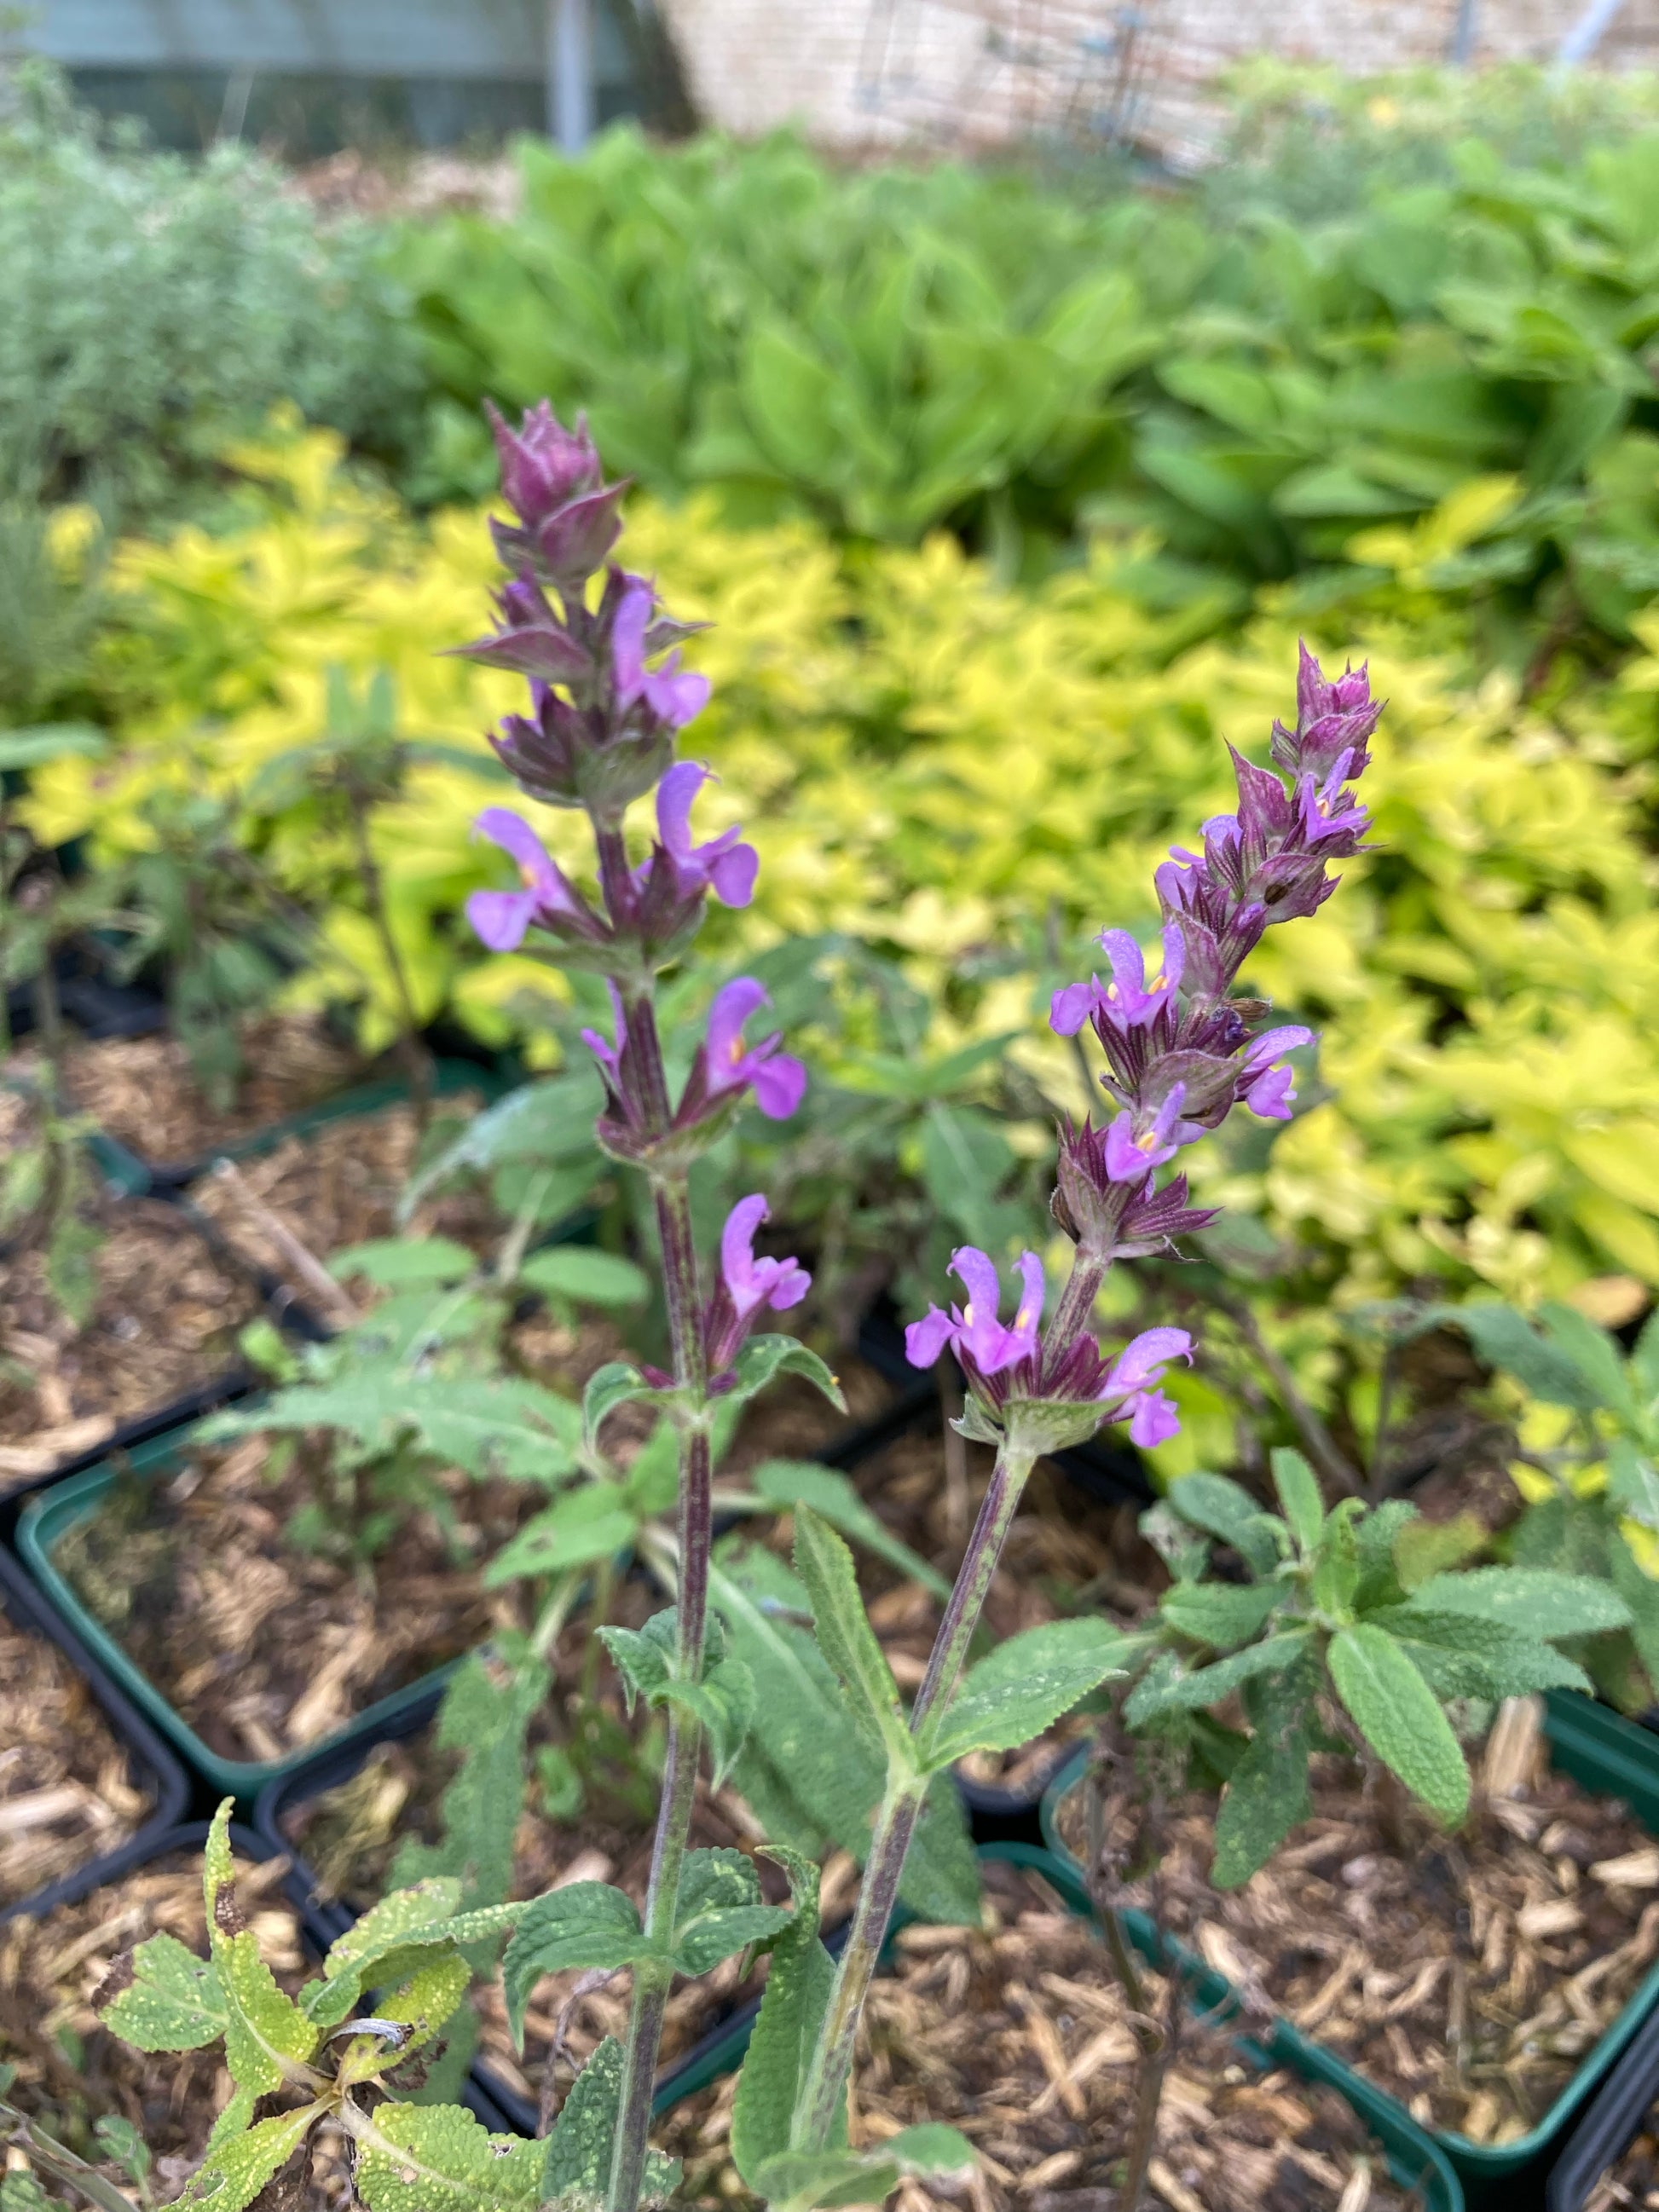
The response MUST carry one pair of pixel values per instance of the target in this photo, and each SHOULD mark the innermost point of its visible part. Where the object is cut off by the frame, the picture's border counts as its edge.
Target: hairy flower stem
(823, 2091)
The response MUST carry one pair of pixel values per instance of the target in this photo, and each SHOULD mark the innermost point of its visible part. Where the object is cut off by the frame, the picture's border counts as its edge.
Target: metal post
(570, 73)
(1464, 31)
(1586, 33)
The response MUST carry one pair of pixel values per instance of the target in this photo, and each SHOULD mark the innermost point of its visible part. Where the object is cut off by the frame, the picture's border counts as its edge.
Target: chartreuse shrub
(950, 782)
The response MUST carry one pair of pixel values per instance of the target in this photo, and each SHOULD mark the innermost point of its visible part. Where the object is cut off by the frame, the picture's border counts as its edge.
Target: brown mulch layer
(144, 1090)
(1017, 2034)
(1466, 1974)
(334, 1186)
(165, 1319)
(264, 1648)
(1633, 2179)
(67, 1791)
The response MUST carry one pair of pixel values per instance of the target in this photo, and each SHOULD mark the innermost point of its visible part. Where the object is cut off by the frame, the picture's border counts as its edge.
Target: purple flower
(728, 1064)
(747, 1284)
(984, 1346)
(1118, 1219)
(1266, 1089)
(544, 465)
(1132, 1152)
(724, 865)
(609, 1057)
(1128, 1001)
(673, 697)
(1128, 1385)
(500, 918)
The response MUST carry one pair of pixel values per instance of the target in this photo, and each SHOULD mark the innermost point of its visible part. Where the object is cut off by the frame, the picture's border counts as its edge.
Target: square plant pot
(1604, 1753)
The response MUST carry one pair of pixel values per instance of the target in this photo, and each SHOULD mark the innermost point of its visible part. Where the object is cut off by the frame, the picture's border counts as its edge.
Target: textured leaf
(1503, 1338)
(594, 1521)
(1024, 1685)
(1171, 1691)
(586, 1276)
(1423, 1549)
(485, 1717)
(618, 1383)
(1298, 1495)
(1460, 1657)
(437, 2158)
(403, 1262)
(1333, 1584)
(503, 1425)
(1593, 1352)
(933, 2152)
(1268, 1793)
(1376, 1539)
(786, 1483)
(585, 1923)
(1223, 1508)
(1221, 1615)
(847, 1639)
(720, 1910)
(1634, 1482)
(723, 1703)
(1400, 1717)
(1535, 1600)
(576, 2160)
(793, 2007)
(396, 1937)
(238, 2170)
(267, 2036)
(765, 1358)
(173, 2002)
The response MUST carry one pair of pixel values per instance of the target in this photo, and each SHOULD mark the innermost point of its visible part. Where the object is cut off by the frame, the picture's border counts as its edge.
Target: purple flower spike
(974, 1331)
(728, 1064)
(673, 697)
(1266, 1089)
(543, 463)
(724, 865)
(500, 918)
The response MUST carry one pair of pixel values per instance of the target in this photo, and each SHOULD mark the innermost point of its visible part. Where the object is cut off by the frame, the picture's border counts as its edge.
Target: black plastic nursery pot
(1604, 1753)
(1621, 2109)
(130, 1171)
(154, 1769)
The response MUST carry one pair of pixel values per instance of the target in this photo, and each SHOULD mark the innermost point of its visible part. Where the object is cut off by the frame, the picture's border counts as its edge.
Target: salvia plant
(1181, 1048)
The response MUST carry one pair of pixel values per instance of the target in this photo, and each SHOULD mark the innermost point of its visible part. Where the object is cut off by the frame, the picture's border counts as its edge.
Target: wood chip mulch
(1466, 1974)
(67, 1790)
(1633, 2179)
(144, 1091)
(1018, 2035)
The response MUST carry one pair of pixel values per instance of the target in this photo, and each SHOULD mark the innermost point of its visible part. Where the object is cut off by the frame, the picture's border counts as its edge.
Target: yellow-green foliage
(943, 766)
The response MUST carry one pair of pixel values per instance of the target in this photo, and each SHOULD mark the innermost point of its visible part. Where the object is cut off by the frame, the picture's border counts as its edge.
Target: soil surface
(1467, 1975)
(67, 1790)
(1634, 2180)
(165, 1319)
(70, 2069)
(144, 1090)
(1018, 2035)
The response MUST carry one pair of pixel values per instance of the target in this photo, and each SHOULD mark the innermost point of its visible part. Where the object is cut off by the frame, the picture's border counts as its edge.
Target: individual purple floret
(747, 1284)
(673, 697)
(725, 865)
(502, 918)
(726, 1065)
(974, 1331)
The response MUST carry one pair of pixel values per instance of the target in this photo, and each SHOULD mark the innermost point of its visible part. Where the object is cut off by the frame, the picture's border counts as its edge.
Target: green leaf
(847, 1640)
(1377, 1538)
(585, 1276)
(792, 2010)
(786, 1483)
(239, 2169)
(1634, 1482)
(404, 1262)
(595, 1521)
(1298, 1494)
(723, 1702)
(1223, 1508)
(763, 1358)
(502, 1426)
(1503, 1339)
(1267, 1794)
(1423, 1549)
(174, 2002)
(485, 1717)
(1460, 1657)
(585, 1923)
(1401, 1718)
(1023, 1686)
(267, 2036)
(1221, 1615)
(1333, 1584)
(576, 2159)
(539, 1124)
(49, 741)
(719, 1911)
(1170, 1690)
(1535, 1600)
(618, 1383)
(437, 2158)
(396, 1937)
(932, 2152)
(1594, 1353)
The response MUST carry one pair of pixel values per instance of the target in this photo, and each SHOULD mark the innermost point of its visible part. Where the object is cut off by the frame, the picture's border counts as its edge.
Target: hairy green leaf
(267, 2037)
(1298, 1495)
(238, 2170)
(594, 1522)
(1634, 1482)
(1169, 1690)
(932, 2152)
(585, 1276)
(618, 1383)
(1503, 1338)
(786, 1483)
(485, 1717)
(793, 2008)
(846, 1639)
(723, 1702)
(720, 1911)
(174, 2002)
(1459, 1656)
(765, 1358)
(1024, 1685)
(1223, 1508)
(576, 2163)
(437, 2158)
(1221, 1615)
(1267, 1794)
(1535, 1600)
(1399, 1716)
(585, 1923)
(404, 1262)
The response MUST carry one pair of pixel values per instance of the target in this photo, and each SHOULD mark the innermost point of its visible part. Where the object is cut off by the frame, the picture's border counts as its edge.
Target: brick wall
(873, 72)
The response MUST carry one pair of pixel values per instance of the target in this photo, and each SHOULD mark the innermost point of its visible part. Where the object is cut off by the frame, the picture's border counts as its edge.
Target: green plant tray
(127, 1172)
(48, 1517)
(1604, 1753)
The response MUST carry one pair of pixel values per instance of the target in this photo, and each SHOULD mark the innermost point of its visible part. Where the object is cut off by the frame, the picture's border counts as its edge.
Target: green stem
(418, 1062)
(823, 2092)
